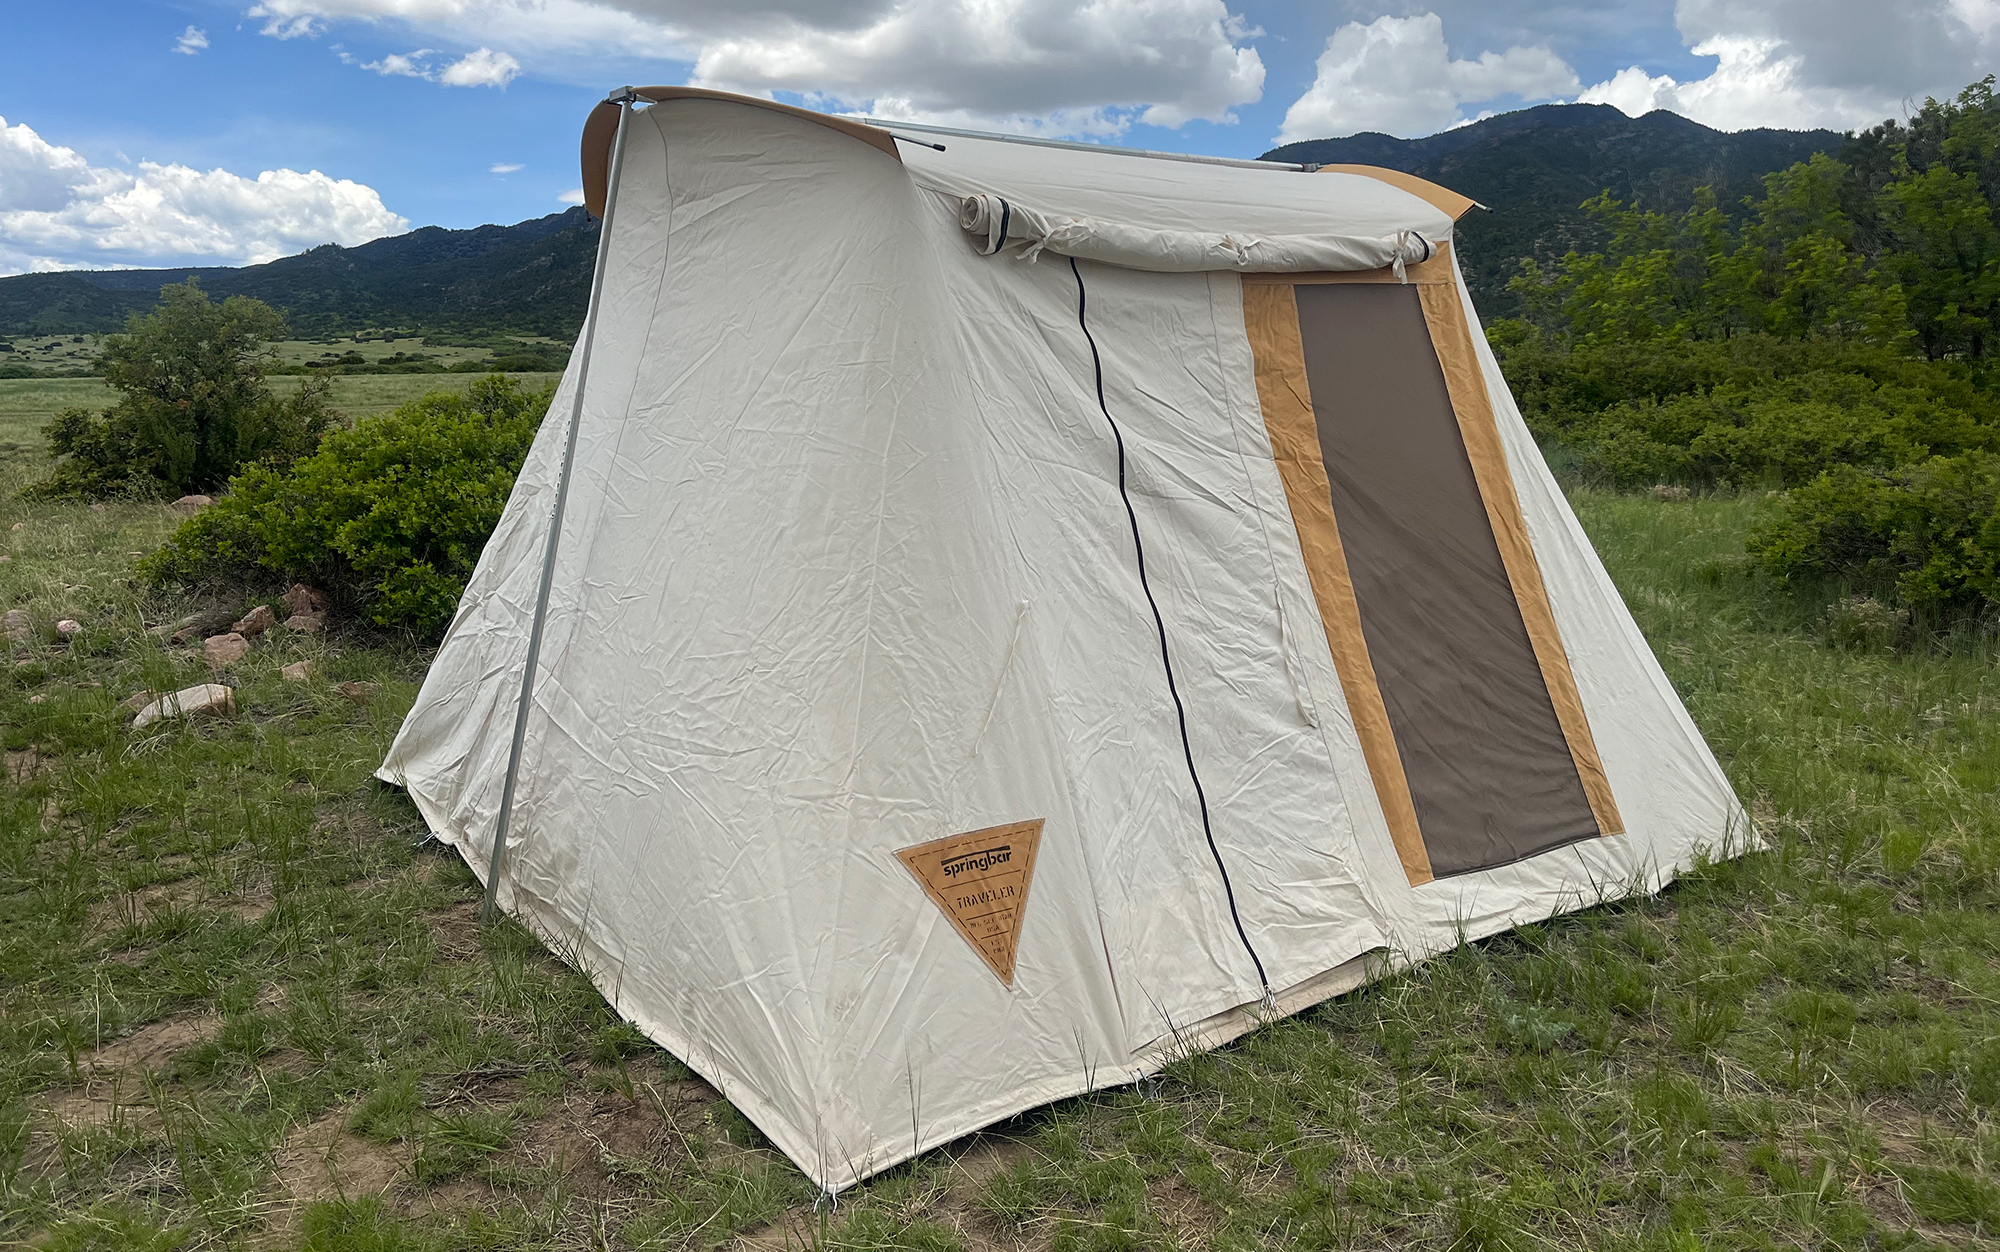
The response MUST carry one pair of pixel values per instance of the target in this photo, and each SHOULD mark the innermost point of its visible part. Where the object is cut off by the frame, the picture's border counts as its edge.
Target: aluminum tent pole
(623, 98)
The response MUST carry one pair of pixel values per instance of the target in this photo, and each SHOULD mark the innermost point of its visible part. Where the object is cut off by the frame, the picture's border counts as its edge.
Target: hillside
(533, 277)
(1532, 168)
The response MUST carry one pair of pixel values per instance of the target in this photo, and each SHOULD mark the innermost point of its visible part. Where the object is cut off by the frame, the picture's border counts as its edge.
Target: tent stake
(623, 98)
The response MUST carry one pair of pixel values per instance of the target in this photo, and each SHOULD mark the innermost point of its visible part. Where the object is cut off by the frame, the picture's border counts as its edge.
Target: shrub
(193, 408)
(388, 517)
(1925, 537)
(1751, 409)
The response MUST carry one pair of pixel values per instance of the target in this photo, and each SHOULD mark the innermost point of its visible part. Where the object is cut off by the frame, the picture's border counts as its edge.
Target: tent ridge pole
(623, 98)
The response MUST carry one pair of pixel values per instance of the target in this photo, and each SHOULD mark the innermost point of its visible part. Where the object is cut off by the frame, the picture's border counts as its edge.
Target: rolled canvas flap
(1000, 224)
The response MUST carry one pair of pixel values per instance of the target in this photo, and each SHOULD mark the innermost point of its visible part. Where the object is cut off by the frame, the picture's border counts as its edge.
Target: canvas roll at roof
(1022, 231)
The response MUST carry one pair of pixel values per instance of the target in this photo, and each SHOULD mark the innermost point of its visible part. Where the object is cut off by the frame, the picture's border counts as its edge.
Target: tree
(193, 407)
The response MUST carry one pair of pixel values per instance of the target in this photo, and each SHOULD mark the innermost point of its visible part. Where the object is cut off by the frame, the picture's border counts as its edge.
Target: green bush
(1925, 537)
(388, 517)
(193, 408)
(1753, 409)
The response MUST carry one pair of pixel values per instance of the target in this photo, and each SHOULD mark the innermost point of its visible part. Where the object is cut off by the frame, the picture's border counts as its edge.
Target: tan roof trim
(602, 125)
(1442, 199)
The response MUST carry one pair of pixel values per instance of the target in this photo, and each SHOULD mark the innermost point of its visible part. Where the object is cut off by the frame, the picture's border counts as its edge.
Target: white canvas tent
(1019, 611)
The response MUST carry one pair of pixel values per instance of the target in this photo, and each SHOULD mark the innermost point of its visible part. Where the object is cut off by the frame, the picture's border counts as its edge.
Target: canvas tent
(1022, 611)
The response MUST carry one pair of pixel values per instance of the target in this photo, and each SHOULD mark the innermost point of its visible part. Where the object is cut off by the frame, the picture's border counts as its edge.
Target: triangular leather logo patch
(980, 879)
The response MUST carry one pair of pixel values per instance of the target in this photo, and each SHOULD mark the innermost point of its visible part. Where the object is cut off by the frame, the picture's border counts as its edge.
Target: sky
(230, 132)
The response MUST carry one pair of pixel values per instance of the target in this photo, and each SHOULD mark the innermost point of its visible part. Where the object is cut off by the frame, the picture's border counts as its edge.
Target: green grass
(239, 1006)
(26, 404)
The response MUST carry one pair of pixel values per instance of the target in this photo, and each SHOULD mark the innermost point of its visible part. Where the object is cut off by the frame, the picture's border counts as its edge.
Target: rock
(297, 671)
(16, 626)
(203, 624)
(192, 505)
(222, 651)
(5, 559)
(137, 700)
(37, 699)
(256, 621)
(20, 526)
(69, 628)
(306, 623)
(302, 599)
(1670, 491)
(206, 700)
(360, 693)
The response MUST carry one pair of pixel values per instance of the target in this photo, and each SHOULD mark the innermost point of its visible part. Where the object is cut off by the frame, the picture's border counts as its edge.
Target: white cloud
(1092, 68)
(401, 65)
(574, 196)
(191, 41)
(482, 67)
(1800, 64)
(58, 211)
(1756, 82)
(506, 167)
(1395, 74)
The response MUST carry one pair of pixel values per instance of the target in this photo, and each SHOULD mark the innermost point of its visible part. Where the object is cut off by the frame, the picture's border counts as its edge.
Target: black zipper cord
(1160, 624)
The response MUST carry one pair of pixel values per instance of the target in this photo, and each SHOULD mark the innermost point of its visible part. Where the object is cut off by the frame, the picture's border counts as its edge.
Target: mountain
(1534, 167)
(533, 277)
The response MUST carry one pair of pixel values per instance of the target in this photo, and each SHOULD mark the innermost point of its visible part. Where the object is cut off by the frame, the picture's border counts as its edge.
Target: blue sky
(143, 132)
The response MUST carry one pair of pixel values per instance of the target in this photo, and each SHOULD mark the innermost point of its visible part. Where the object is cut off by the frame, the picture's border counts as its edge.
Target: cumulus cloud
(58, 211)
(1808, 63)
(401, 65)
(1024, 64)
(1166, 62)
(1756, 82)
(482, 67)
(573, 196)
(191, 41)
(1396, 75)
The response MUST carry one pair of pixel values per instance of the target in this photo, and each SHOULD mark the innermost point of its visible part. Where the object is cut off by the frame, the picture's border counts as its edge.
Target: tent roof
(1190, 195)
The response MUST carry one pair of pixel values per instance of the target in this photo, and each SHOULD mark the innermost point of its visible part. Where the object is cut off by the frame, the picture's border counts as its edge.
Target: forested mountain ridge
(532, 277)
(1534, 168)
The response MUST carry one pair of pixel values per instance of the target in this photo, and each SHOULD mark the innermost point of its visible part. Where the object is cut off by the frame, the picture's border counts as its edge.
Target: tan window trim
(1271, 319)
(1451, 334)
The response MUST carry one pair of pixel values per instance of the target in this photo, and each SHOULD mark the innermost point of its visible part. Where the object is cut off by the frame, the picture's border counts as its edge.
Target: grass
(26, 404)
(241, 1005)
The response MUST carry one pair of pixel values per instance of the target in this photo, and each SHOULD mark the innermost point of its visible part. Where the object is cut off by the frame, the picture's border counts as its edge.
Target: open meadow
(371, 347)
(26, 404)
(244, 1004)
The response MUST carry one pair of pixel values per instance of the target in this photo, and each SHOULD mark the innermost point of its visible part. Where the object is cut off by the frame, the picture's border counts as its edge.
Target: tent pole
(623, 98)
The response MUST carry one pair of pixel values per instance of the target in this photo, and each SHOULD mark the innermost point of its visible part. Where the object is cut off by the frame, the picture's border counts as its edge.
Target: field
(26, 404)
(241, 1004)
(80, 351)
